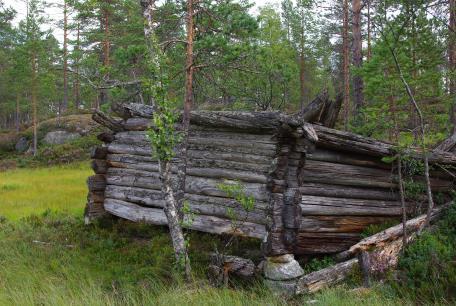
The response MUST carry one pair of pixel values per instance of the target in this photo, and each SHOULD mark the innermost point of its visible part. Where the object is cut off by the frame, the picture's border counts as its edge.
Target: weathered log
(137, 124)
(195, 185)
(133, 110)
(248, 159)
(332, 112)
(209, 224)
(106, 137)
(315, 281)
(196, 132)
(98, 152)
(204, 137)
(204, 172)
(332, 156)
(109, 122)
(364, 264)
(99, 166)
(338, 191)
(222, 266)
(128, 149)
(350, 142)
(96, 182)
(315, 205)
(205, 205)
(340, 223)
(313, 112)
(448, 145)
(392, 233)
(323, 243)
(230, 156)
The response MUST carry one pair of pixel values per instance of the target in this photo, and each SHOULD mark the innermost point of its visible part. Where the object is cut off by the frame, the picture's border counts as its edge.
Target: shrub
(427, 270)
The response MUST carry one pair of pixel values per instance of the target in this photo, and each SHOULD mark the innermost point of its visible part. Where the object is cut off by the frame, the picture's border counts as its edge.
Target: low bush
(427, 270)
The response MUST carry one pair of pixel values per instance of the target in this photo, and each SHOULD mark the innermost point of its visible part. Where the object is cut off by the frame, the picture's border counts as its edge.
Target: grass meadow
(49, 257)
(27, 191)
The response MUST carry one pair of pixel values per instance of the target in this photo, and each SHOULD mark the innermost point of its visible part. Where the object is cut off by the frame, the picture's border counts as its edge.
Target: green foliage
(316, 264)
(377, 228)
(428, 267)
(237, 191)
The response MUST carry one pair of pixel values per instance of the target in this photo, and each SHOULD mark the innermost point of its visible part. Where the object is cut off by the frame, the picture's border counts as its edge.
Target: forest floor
(49, 257)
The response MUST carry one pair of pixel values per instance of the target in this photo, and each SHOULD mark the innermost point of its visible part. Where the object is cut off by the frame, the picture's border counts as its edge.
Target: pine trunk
(346, 102)
(357, 55)
(64, 105)
(34, 107)
(452, 59)
(369, 34)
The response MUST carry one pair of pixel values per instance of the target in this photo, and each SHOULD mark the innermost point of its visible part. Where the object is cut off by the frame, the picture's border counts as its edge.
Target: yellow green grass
(32, 191)
(49, 257)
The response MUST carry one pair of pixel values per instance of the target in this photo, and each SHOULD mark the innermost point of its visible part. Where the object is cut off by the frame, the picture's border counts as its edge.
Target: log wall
(316, 189)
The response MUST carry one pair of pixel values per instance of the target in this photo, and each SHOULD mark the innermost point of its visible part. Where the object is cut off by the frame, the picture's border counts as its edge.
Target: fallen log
(324, 278)
(448, 145)
(390, 234)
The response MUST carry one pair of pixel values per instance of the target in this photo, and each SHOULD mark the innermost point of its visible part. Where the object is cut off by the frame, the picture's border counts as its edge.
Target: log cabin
(315, 188)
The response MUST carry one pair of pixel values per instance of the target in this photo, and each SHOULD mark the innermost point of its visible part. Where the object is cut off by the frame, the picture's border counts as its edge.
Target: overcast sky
(54, 12)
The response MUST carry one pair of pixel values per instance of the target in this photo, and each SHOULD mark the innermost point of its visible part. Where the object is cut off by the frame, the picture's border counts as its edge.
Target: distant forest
(276, 57)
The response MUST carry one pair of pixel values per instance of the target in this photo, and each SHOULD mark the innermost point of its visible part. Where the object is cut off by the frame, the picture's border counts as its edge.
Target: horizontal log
(315, 205)
(321, 154)
(133, 110)
(390, 234)
(137, 124)
(212, 206)
(204, 172)
(350, 142)
(209, 224)
(195, 185)
(198, 133)
(230, 156)
(107, 121)
(96, 182)
(129, 149)
(323, 243)
(229, 138)
(338, 191)
(146, 150)
(324, 278)
(346, 141)
(323, 169)
(340, 224)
